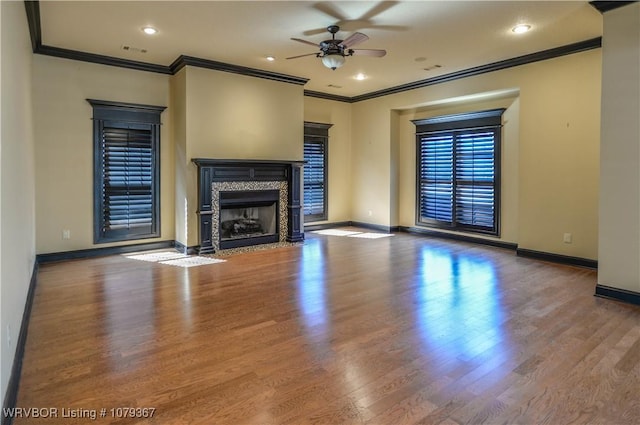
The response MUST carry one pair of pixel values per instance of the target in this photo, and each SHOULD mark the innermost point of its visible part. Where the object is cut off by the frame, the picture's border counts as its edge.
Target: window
(458, 171)
(316, 138)
(126, 171)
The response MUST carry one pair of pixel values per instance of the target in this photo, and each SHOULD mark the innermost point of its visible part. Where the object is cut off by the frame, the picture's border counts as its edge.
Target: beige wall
(339, 162)
(371, 162)
(178, 106)
(17, 185)
(557, 149)
(559, 155)
(619, 261)
(64, 146)
(233, 116)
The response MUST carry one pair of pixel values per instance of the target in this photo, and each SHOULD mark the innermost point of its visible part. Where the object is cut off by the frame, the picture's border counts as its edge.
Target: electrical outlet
(567, 238)
(370, 213)
(66, 234)
(8, 335)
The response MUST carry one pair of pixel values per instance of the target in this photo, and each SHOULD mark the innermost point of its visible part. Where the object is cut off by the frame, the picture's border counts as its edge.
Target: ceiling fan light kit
(333, 52)
(333, 60)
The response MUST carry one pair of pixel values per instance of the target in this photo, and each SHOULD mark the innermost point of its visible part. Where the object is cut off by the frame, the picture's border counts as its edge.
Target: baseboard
(459, 237)
(617, 294)
(98, 252)
(557, 258)
(11, 396)
(378, 227)
(187, 250)
(311, 227)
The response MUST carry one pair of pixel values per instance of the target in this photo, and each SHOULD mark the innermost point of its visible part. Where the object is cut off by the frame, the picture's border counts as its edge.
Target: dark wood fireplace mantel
(232, 170)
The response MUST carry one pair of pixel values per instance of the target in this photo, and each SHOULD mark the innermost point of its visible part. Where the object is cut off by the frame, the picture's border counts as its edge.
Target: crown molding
(605, 6)
(101, 59)
(32, 8)
(555, 52)
(328, 96)
(33, 18)
(183, 61)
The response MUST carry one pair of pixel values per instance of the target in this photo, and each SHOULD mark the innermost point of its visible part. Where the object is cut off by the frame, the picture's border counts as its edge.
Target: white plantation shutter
(458, 171)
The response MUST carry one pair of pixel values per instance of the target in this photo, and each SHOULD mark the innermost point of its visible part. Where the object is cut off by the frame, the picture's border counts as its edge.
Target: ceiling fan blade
(378, 9)
(331, 10)
(353, 39)
(389, 27)
(305, 42)
(369, 52)
(301, 56)
(316, 31)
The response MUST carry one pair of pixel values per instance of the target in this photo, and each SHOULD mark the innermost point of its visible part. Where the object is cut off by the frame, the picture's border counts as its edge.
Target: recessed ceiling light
(360, 77)
(521, 28)
(271, 58)
(149, 30)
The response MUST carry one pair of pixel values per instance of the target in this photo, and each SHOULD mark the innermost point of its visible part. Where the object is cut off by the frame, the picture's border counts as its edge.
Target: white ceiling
(416, 34)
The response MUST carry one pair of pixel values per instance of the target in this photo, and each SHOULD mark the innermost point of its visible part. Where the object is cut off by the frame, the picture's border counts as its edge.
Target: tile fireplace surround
(216, 175)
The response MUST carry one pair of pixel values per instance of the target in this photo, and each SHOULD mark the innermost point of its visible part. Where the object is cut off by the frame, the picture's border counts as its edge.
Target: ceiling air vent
(133, 49)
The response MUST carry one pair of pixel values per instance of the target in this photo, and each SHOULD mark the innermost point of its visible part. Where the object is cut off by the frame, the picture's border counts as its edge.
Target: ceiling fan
(333, 52)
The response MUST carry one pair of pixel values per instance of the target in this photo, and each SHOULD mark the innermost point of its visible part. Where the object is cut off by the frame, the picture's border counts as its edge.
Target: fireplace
(248, 218)
(244, 202)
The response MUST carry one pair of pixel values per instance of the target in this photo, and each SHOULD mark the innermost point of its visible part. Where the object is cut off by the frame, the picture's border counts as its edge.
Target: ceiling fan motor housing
(333, 47)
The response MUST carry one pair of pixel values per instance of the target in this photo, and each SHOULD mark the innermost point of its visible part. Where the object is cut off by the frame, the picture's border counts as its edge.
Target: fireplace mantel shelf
(243, 162)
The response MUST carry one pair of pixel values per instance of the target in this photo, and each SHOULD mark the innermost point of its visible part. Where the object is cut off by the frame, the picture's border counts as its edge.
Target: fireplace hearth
(243, 202)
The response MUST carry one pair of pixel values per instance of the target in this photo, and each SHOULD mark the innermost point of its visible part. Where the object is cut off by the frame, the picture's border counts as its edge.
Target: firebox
(248, 217)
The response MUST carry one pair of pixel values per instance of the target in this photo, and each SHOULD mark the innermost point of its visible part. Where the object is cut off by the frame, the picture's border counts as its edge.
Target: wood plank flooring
(341, 330)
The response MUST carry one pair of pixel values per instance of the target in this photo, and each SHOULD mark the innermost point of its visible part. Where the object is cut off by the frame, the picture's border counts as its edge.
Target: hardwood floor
(342, 330)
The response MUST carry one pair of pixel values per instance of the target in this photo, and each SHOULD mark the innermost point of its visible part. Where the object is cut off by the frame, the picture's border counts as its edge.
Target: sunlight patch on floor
(352, 234)
(156, 257)
(335, 232)
(192, 261)
(172, 258)
(371, 235)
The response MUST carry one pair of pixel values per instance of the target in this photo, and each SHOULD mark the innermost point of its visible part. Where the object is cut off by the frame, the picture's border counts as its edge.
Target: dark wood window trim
(127, 131)
(458, 172)
(316, 153)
